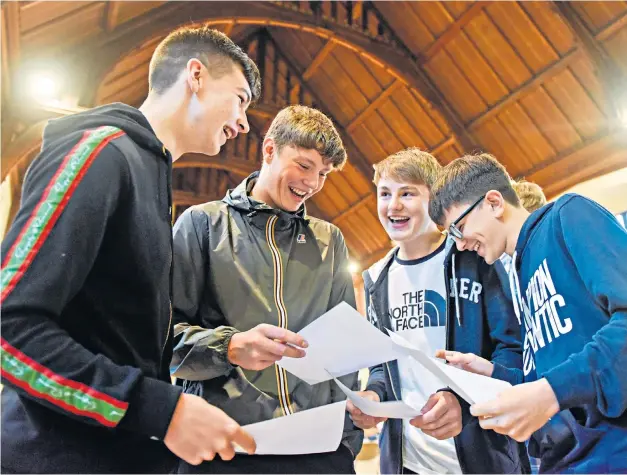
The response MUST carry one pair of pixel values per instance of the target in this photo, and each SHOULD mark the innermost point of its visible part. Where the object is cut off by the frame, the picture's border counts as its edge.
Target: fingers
(430, 404)
(244, 440)
(457, 358)
(292, 352)
(282, 334)
(352, 409)
(485, 410)
(445, 432)
(227, 453)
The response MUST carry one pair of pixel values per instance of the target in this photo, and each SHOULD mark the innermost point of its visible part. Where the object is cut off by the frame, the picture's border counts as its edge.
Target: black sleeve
(69, 196)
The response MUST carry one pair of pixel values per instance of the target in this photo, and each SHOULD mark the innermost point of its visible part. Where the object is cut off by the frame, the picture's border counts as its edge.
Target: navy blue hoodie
(86, 340)
(570, 267)
(486, 327)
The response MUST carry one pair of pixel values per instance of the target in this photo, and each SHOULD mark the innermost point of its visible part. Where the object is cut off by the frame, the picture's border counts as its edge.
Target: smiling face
(293, 175)
(217, 108)
(402, 208)
(482, 229)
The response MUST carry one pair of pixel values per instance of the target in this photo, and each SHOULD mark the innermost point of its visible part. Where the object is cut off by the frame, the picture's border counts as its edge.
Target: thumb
(440, 354)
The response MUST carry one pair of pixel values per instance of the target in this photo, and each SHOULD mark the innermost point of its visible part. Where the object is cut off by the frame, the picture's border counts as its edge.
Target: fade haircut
(212, 48)
(530, 195)
(465, 180)
(411, 165)
(309, 129)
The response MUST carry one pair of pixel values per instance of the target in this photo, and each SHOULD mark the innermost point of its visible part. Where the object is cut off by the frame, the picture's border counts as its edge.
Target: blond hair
(530, 195)
(309, 129)
(411, 165)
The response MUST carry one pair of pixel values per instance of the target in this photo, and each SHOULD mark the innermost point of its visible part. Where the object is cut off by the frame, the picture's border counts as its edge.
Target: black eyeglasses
(453, 229)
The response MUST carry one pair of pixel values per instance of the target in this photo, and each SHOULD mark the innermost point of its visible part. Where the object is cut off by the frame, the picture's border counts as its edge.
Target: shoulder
(324, 230)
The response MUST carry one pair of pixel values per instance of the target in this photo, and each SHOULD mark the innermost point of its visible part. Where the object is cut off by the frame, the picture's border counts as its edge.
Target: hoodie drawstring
(514, 287)
(456, 293)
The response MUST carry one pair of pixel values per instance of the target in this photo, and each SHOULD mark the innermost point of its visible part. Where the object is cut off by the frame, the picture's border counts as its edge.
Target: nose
(395, 203)
(461, 244)
(242, 124)
(312, 181)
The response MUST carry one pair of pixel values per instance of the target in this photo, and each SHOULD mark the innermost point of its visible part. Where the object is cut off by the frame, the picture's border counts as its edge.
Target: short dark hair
(212, 48)
(308, 128)
(465, 180)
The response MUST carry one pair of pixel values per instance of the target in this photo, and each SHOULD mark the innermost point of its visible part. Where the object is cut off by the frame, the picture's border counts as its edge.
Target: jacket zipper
(281, 374)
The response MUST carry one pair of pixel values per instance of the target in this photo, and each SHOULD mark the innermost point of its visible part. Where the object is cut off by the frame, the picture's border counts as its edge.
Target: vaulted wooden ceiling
(541, 85)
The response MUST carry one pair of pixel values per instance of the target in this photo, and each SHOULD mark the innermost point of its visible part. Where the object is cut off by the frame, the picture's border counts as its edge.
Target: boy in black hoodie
(569, 286)
(86, 338)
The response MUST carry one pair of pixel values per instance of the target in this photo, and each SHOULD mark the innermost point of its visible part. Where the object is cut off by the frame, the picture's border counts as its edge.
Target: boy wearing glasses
(570, 293)
(436, 297)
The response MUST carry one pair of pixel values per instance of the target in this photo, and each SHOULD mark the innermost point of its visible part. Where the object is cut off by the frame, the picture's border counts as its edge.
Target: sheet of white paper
(474, 388)
(341, 341)
(390, 409)
(308, 432)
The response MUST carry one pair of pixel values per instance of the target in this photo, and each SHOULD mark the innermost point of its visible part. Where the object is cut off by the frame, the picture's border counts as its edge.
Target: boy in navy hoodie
(569, 285)
(436, 297)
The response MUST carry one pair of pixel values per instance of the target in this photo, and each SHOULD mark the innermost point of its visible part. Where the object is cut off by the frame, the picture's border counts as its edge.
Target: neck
(515, 219)
(260, 190)
(423, 245)
(164, 119)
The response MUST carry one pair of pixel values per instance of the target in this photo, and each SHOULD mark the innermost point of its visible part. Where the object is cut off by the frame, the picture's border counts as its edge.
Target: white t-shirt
(416, 294)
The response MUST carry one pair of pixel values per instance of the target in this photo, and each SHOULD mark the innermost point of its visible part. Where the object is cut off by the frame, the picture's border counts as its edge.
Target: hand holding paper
(341, 341)
(467, 361)
(361, 419)
(472, 387)
(374, 408)
(263, 345)
(441, 417)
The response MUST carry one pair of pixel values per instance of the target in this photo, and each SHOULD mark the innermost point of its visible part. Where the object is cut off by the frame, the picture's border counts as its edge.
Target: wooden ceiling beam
(582, 147)
(163, 19)
(11, 44)
(228, 29)
(611, 76)
(357, 11)
(522, 90)
(374, 105)
(354, 208)
(110, 17)
(430, 92)
(357, 158)
(446, 143)
(533, 82)
(319, 58)
(582, 34)
(452, 31)
(594, 157)
(236, 165)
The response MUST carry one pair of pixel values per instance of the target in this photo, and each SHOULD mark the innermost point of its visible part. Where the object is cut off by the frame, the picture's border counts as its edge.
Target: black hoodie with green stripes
(86, 301)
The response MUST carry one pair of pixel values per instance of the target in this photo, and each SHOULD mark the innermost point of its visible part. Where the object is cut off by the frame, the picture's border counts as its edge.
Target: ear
(268, 149)
(496, 201)
(193, 70)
